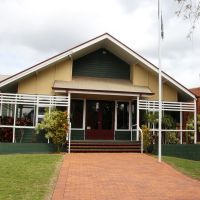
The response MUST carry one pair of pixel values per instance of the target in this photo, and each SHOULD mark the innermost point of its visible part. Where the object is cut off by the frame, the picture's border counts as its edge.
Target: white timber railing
(153, 106)
(166, 106)
(42, 100)
(10, 105)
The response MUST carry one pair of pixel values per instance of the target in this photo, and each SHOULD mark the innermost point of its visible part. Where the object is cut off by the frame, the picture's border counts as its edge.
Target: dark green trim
(134, 133)
(77, 134)
(102, 65)
(124, 135)
(7, 148)
(187, 151)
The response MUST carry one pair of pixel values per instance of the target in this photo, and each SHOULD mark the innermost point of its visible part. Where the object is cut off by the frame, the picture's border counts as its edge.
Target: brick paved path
(121, 177)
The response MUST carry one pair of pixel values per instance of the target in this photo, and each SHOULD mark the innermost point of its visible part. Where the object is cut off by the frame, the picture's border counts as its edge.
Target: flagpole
(160, 82)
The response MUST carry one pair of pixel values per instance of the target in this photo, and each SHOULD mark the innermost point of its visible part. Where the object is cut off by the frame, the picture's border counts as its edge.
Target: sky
(34, 30)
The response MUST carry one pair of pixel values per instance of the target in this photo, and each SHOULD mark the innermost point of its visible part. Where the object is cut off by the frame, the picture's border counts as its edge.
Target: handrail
(141, 132)
(142, 142)
(69, 138)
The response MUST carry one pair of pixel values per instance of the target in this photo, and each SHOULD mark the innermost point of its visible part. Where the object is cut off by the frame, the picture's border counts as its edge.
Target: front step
(105, 146)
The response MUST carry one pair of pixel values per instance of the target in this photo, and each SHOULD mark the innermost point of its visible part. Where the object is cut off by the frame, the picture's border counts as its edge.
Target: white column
(84, 115)
(130, 118)
(1, 105)
(49, 113)
(138, 119)
(115, 123)
(195, 121)
(69, 123)
(37, 110)
(14, 122)
(181, 127)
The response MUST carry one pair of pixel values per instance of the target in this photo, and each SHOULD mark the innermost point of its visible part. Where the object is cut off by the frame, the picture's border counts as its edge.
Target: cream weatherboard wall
(142, 77)
(41, 82)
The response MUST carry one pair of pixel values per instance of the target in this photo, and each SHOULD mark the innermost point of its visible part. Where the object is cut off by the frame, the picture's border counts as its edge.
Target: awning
(101, 85)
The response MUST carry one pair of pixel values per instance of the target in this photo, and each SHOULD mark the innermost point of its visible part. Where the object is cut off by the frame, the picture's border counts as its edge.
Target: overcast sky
(34, 30)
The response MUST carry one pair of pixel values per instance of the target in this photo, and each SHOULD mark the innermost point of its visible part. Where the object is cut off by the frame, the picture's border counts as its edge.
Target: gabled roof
(106, 41)
(3, 77)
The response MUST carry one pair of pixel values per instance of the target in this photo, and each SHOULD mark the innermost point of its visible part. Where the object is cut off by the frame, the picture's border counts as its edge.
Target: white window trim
(83, 124)
(129, 118)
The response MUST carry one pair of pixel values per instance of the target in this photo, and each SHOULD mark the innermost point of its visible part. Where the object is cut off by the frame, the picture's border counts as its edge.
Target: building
(103, 84)
(196, 91)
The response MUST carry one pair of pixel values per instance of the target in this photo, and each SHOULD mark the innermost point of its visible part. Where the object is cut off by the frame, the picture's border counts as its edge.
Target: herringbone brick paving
(121, 176)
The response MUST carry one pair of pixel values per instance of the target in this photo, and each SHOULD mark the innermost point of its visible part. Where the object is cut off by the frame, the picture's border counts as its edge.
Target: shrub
(171, 138)
(147, 138)
(55, 127)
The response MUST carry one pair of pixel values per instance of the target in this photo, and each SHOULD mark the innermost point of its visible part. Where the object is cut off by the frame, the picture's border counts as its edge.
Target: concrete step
(105, 146)
(104, 150)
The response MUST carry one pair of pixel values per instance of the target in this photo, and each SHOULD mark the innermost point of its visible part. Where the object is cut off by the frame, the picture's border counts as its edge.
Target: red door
(99, 120)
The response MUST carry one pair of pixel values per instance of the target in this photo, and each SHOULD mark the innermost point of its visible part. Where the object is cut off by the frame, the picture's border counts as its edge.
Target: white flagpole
(160, 83)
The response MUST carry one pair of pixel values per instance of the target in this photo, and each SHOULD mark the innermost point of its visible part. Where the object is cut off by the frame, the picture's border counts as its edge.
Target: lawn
(28, 176)
(188, 167)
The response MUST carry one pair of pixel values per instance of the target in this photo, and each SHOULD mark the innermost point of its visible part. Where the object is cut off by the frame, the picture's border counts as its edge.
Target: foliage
(147, 138)
(152, 118)
(190, 122)
(190, 10)
(54, 126)
(190, 126)
(27, 176)
(171, 138)
(168, 122)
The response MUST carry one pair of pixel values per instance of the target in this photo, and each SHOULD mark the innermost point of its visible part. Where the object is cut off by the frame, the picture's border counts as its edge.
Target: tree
(190, 125)
(55, 127)
(190, 10)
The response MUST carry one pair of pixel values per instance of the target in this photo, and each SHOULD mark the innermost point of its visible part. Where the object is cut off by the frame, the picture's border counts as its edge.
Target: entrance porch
(103, 117)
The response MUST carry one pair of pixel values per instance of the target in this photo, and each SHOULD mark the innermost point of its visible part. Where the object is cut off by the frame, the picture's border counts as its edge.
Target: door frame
(107, 134)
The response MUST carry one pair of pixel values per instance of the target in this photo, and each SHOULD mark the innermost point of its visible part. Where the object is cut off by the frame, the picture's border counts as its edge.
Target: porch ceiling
(101, 84)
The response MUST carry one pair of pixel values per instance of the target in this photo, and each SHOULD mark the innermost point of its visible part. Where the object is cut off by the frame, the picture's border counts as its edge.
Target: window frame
(84, 111)
(129, 115)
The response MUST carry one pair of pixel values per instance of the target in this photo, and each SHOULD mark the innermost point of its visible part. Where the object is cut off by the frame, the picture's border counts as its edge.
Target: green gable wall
(101, 64)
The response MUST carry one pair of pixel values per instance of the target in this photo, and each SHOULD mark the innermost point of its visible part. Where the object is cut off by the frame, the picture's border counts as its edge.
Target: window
(7, 114)
(25, 115)
(41, 113)
(77, 113)
(134, 113)
(122, 115)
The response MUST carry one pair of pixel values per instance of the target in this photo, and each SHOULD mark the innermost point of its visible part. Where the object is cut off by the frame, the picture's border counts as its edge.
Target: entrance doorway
(99, 120)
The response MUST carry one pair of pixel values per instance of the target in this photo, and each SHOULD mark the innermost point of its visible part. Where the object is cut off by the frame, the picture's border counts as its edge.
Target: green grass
(188, 167)
(27, 177)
